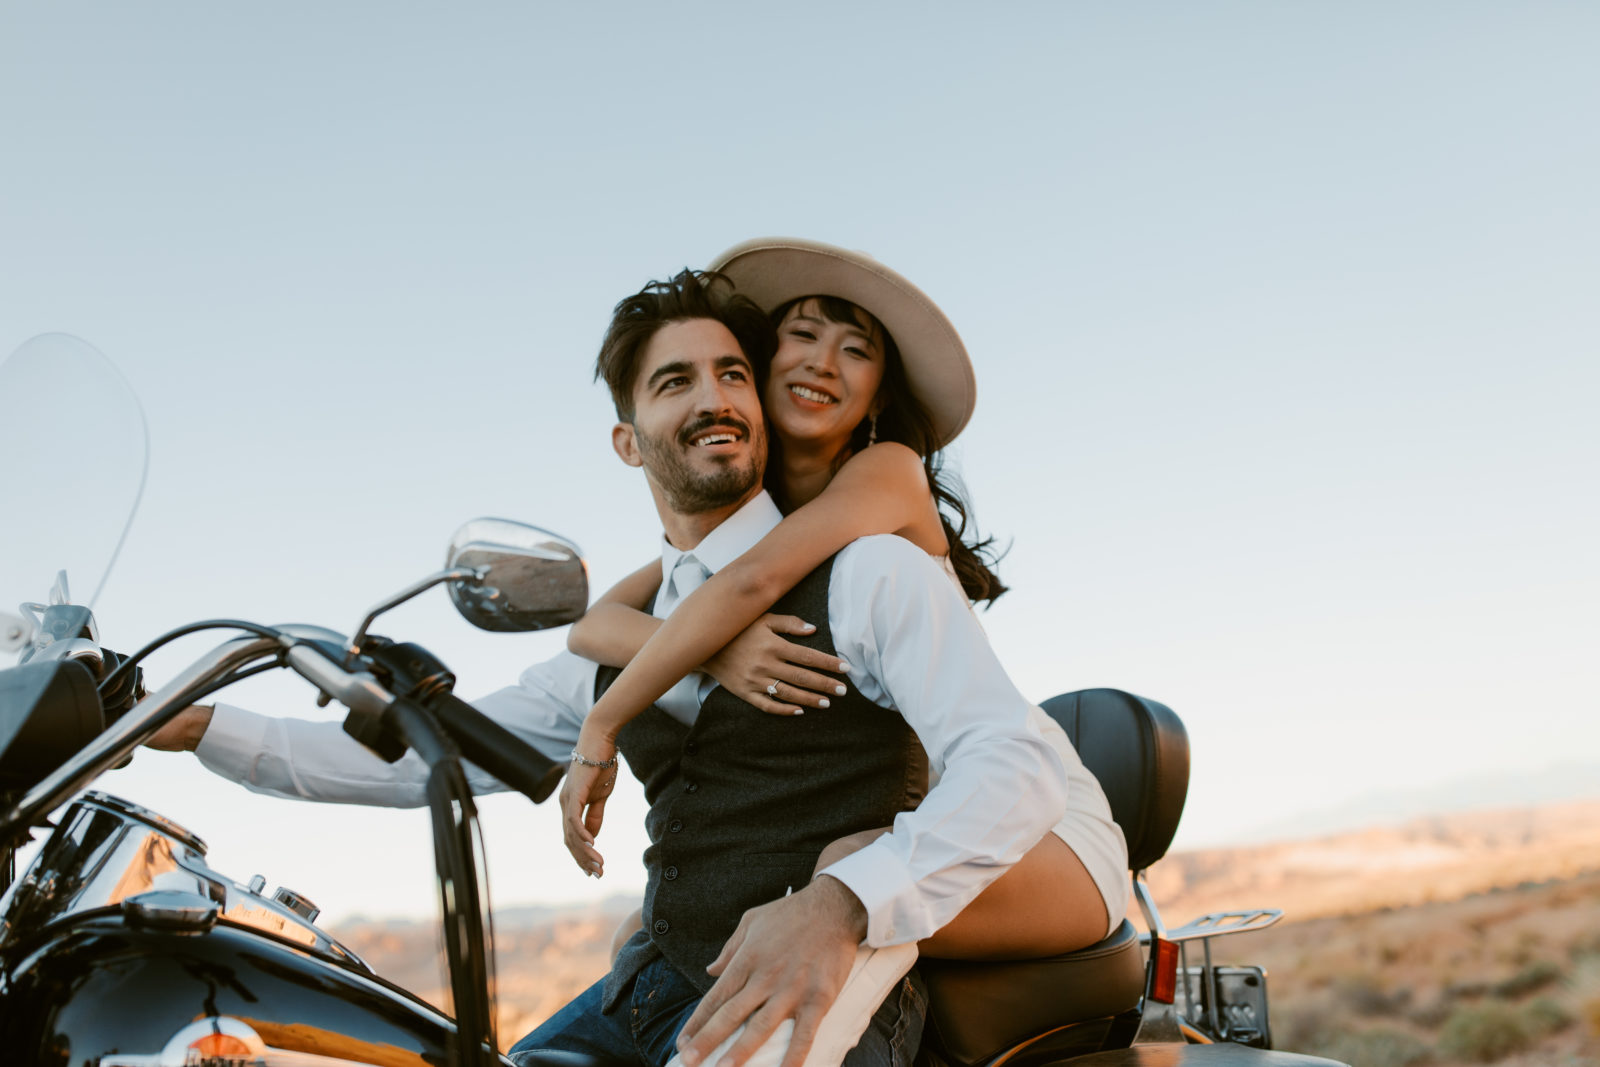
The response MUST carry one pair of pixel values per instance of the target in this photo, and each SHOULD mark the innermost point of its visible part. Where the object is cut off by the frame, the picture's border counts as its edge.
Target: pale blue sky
(1283, 319)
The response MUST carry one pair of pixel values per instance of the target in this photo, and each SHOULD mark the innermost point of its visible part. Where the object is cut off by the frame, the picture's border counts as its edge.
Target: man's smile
(721, 434)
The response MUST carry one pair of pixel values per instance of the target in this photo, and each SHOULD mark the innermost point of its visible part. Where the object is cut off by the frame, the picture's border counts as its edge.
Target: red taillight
(1164, 970)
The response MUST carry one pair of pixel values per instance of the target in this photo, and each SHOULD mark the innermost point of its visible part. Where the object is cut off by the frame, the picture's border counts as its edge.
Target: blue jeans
(644, 1027)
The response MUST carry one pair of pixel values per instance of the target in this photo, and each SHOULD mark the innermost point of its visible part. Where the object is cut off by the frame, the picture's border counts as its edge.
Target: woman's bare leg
(1045, 905)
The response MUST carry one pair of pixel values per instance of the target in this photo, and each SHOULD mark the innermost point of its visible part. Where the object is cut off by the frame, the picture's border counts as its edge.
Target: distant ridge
(1423, 860)
(1553, 785)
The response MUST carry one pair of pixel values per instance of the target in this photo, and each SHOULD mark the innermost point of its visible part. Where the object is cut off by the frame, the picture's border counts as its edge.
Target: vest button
(661, 926)
(692, 787)
(670, 873)
(690, 748)
(674, 826)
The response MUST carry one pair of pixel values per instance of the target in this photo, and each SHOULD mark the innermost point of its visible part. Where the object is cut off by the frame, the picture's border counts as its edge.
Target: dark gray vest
(742, 803)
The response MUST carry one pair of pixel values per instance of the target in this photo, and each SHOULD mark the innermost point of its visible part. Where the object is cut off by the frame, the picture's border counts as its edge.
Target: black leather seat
(1139, 752)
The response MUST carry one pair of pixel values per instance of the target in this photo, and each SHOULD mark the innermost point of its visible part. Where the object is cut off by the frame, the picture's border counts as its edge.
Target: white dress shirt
(912, 644)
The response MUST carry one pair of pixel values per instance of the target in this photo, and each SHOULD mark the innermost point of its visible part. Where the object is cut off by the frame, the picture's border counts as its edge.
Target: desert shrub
(1532, 978)
(1544, 1016)
(1365, 995)
(1584, 945)
(1465, 990)
(1303, 1024)
(1432, 1015)
(1378, 1047)
(1583, 993)
(1483, 1033)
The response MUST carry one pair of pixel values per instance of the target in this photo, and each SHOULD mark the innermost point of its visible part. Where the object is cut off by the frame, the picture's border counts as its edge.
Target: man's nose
(714, 397)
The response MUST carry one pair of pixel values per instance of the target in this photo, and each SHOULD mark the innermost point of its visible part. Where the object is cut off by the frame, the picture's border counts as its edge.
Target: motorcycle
(121, 947)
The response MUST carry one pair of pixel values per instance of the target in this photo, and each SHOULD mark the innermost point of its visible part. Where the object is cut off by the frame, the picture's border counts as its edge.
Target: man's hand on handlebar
(185, 730)
(128, 691)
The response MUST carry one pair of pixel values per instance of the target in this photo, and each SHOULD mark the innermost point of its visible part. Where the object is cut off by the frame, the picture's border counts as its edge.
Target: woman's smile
(812, 395)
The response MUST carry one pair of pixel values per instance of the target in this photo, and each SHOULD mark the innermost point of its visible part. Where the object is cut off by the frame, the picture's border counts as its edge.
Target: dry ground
(1453, 940)
(1508, 976)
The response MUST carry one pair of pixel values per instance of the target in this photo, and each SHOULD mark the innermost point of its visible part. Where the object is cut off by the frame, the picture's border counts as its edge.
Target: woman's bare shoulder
(886, 459)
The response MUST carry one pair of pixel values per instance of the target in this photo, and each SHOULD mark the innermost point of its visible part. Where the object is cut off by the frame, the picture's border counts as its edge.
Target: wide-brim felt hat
(775, 270)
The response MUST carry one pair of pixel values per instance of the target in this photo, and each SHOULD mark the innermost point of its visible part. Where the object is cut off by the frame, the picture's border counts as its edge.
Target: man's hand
(787, 960)
(185, 730)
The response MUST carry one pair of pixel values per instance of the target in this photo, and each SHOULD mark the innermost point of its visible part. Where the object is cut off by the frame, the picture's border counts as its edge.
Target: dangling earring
(872, 431)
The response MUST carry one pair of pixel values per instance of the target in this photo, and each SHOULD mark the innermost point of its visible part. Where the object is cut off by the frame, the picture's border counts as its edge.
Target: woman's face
(824, 378)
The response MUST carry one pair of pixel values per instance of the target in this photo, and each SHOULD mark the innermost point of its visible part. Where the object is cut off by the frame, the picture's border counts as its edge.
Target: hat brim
(775, 270)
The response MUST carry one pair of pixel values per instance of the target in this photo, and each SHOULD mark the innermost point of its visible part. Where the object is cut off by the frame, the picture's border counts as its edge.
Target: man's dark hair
(690, 294)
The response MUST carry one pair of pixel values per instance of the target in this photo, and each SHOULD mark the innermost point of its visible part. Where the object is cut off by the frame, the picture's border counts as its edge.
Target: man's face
(697, 428)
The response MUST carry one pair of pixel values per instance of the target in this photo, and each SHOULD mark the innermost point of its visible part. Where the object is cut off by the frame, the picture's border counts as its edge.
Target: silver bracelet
(577, 757)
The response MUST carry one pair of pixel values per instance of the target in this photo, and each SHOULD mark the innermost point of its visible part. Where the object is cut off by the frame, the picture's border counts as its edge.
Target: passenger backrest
(1139, 751)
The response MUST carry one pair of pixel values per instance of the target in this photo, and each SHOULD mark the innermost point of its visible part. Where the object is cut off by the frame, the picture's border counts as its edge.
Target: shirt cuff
(879, 880)
(232, 741)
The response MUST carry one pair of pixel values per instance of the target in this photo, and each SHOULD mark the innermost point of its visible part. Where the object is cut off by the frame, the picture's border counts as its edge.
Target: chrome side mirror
(530, 579)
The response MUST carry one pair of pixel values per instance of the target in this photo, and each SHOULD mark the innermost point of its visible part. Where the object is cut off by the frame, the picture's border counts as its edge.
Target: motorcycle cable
(442, 729)
(455, 827)
(128, 664)
(468, 944)
(273, 664)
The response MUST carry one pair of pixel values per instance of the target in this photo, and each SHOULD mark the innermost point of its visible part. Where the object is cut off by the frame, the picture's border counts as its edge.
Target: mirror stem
(458, 574)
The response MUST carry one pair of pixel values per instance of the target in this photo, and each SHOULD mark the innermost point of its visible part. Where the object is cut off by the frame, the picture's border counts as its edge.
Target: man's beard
(690, 491)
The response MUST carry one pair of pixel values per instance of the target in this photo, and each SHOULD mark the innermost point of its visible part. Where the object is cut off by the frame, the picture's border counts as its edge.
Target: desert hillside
(1439, 858)
(1463, 938)
(1508, 976)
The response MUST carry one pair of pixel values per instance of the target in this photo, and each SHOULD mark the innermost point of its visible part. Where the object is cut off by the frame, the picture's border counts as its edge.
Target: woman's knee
(625, 930)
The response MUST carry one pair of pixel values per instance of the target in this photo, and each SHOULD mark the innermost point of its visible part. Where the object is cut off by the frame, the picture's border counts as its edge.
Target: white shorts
(1087, 828)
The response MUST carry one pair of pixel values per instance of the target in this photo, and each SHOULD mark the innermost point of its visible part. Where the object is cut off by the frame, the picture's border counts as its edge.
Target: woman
(868, 382)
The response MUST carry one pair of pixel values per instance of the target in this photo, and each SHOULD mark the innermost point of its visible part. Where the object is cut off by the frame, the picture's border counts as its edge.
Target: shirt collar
(736, 535)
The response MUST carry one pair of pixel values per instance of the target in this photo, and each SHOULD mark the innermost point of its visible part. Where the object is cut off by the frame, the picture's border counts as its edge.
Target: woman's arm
(616, 627)
(882, 489)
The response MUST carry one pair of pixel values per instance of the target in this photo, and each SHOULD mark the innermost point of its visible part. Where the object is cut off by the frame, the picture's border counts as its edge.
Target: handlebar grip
(496, 749)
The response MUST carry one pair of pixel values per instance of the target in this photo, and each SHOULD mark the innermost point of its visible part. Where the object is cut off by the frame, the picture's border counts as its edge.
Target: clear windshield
(73, 450)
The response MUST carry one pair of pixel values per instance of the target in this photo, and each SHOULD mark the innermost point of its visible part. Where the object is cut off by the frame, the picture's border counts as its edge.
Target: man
(741, 804)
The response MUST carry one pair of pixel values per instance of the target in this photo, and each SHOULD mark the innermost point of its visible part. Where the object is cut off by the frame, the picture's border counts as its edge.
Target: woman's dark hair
(904, 419)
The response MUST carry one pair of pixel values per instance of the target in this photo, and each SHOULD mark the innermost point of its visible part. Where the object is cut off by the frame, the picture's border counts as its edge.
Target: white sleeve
(319, 761)
(914, 645)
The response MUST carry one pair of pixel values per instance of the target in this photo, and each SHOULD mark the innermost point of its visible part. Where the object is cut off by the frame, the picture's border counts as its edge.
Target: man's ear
(626, 444)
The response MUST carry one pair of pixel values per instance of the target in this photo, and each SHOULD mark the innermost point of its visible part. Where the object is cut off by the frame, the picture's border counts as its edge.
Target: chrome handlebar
(356, 689)
(134, 728)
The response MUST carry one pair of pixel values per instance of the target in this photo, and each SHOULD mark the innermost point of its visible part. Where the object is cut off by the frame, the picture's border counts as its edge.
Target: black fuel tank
(97, 989)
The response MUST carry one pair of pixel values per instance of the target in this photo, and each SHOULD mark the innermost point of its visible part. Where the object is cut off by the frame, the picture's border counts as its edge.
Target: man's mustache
(712, 422)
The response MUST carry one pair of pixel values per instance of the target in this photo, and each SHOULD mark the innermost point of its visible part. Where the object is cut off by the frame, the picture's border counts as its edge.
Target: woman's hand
(583, 799)
(762, 656)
